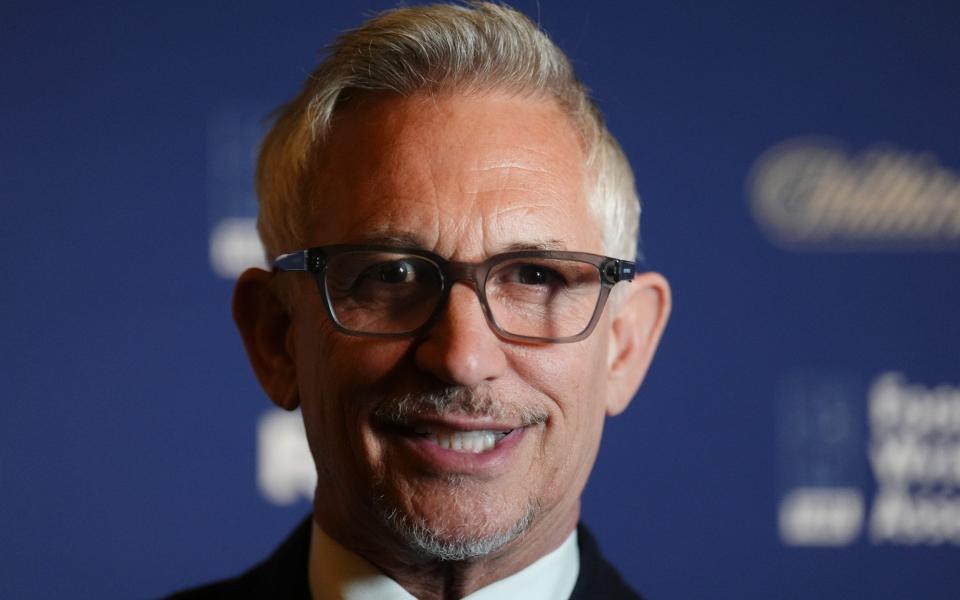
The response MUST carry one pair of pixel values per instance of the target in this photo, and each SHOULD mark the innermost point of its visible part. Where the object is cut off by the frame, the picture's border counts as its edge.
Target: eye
(398, 271)
(536, 275)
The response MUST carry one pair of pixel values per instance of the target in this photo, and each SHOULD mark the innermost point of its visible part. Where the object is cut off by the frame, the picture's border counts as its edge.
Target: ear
(265, 327)
(638, 323)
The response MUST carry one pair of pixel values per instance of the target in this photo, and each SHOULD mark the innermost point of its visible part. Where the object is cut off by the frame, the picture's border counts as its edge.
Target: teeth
(473, 442)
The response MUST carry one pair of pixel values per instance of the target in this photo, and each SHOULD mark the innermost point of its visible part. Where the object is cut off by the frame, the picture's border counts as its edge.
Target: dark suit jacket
(284, 574)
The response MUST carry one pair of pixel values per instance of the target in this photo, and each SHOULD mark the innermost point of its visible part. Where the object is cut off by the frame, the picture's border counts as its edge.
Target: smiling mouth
(466, 442)
(457, 427)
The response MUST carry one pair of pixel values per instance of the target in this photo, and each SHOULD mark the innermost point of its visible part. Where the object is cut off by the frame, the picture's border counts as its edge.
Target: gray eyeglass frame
(314, 260)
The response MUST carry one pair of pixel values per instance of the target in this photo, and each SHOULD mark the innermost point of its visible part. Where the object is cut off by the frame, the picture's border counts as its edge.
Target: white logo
(814, 516)
(235, 246)
(915, 456)
(233, 135)
(914, 453)
(285, 472)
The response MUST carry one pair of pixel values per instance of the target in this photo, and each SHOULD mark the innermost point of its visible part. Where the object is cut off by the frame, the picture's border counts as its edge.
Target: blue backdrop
(799, 432)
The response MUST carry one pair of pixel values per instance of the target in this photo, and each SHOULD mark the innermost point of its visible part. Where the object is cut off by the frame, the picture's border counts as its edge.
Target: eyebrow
(409, 239)
(400, 239)
(550, 244)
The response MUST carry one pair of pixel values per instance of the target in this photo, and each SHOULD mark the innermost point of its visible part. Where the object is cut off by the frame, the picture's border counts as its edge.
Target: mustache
(404, 409)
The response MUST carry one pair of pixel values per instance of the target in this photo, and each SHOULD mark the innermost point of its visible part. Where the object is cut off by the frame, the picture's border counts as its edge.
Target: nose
(460, 348)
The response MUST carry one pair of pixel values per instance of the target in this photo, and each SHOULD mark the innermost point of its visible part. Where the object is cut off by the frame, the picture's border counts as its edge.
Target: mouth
(464, 446)
(467, 442)
(456, 427)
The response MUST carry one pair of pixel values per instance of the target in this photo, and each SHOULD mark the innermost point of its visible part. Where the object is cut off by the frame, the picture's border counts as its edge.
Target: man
(454, 308)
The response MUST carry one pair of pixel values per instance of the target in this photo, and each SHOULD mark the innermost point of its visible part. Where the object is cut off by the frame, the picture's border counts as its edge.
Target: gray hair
(474, 48)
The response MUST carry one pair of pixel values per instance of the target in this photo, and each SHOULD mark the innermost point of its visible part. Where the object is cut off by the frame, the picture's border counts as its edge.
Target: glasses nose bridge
(471, 274)
(474, 275)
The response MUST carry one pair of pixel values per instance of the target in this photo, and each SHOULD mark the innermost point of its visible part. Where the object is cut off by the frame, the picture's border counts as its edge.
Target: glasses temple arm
(294, 261)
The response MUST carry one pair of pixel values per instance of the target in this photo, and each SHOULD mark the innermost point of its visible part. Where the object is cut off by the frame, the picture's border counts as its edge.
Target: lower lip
(449, 462)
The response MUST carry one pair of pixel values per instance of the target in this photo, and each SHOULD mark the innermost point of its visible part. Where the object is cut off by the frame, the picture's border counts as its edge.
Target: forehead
(458, 174)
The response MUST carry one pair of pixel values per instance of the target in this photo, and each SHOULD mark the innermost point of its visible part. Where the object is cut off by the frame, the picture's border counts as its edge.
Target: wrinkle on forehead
(514, 163)
(463, 175)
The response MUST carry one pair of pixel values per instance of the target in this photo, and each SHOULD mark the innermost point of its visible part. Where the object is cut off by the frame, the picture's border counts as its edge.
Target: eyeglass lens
(387, 292)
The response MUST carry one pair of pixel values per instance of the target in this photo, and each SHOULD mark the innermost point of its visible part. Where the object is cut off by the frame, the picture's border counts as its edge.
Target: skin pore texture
(466, 177)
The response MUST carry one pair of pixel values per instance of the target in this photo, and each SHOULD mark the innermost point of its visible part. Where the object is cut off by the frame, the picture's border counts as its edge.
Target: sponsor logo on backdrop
(233, 136)
(811, 194)
(285, 472)
(911, 448)
(235, 246)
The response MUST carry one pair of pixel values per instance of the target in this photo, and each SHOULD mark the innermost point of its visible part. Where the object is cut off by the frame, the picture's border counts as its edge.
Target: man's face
(465, 177)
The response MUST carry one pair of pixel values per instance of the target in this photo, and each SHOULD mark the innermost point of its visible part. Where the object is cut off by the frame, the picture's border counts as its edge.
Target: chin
(457, 526)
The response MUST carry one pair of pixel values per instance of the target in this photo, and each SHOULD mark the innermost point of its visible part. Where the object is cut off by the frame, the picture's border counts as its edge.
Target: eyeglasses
(527, 295)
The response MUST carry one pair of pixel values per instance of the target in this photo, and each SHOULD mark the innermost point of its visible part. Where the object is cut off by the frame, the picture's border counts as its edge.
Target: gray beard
(432, 542)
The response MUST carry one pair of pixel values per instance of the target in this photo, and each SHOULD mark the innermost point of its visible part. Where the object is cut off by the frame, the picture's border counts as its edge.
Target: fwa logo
(905, 434)
(915, 458)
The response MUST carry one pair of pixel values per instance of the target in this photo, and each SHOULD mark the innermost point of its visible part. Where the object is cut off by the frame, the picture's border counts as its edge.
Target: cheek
(341, 367)
(571, 375)
(323, 417)
(337, 376)
(571, 378)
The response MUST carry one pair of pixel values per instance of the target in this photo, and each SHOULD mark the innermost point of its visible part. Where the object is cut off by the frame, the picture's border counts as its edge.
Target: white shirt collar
(337, 574)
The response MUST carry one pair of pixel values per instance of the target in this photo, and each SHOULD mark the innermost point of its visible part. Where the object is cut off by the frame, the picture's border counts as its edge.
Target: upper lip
(454, 423)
